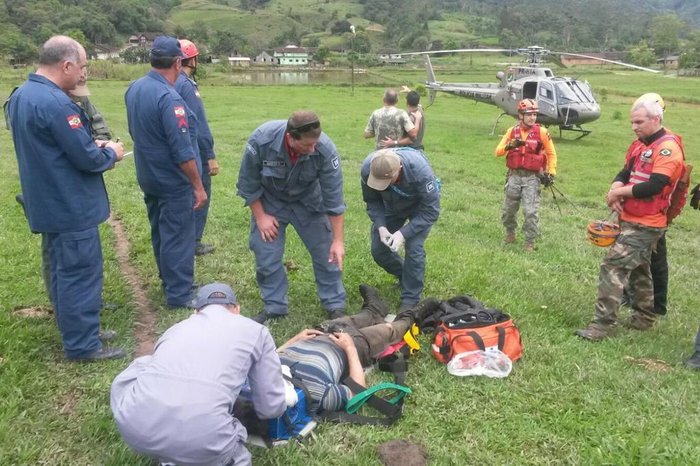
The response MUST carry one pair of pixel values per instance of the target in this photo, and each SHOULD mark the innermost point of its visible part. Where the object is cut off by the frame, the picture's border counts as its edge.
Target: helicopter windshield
(574, 91)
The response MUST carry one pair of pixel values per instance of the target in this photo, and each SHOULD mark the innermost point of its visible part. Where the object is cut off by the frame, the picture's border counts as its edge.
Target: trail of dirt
(145, 323)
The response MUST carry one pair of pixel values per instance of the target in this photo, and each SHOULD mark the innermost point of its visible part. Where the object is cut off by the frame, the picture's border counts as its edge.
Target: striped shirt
(321, 365)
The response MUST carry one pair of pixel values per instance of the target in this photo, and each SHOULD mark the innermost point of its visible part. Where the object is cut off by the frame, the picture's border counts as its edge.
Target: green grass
(567, 401)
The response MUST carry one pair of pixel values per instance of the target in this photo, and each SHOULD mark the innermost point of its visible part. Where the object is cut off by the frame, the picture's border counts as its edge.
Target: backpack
(465, 324)
(679, 196)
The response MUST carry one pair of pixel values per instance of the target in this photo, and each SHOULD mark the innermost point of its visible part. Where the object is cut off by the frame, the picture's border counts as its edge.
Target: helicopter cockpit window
(546, 91)
(573, 91)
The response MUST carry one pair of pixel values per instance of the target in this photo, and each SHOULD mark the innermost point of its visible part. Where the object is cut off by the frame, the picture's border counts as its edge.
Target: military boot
(420, 311)
(372, 301)
(509, 239)
(529, 246)
(640, 322)
(693, 362)
(595, 332)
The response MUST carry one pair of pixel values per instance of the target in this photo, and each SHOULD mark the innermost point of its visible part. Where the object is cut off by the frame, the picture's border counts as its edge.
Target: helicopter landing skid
(493, 130)
(575, 128)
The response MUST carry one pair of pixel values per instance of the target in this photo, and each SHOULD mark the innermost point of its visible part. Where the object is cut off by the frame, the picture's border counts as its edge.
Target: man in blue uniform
(187, 88)
(167, 167)
(176, 404)
(403, 202)
(290, 174)
(60, 168)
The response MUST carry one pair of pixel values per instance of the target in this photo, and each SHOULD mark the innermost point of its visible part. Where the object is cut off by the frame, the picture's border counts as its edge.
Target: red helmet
(528, 106)
(188, 48)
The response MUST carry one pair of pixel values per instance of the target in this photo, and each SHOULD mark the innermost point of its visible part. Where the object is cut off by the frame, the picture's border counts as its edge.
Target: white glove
(396, 241)
(384, 236)
(290, 394)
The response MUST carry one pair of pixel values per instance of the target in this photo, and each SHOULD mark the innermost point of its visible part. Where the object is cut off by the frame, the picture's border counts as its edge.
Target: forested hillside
(651, 28)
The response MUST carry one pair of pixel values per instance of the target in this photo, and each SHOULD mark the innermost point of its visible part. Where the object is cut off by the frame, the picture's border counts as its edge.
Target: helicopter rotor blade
(429, 52)
(614, 62)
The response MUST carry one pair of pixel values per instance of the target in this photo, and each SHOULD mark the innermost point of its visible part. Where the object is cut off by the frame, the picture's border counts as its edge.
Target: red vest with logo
(639, 160)
(530, 156)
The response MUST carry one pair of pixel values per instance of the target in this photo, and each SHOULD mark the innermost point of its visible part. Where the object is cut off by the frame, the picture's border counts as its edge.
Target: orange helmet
(188, 48)
(602, 233)
(528, 106)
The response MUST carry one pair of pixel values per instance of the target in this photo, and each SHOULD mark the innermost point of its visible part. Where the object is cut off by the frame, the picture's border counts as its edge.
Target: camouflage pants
(522, 185)
(627, 265)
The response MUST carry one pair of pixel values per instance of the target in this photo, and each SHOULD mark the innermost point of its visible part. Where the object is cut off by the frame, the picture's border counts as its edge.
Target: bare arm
(355, 370)
(337, 251)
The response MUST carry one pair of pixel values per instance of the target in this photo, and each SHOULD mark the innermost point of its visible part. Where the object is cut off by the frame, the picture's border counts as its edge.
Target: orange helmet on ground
(188, 48)
(603, 234)
(528, 106)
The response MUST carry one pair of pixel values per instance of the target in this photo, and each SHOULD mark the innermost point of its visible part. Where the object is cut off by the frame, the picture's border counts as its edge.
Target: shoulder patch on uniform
(74, 121)
(179, 111)
(250, 150)
(335, 162)
(665, 152)
(181, 116)
(430, 186)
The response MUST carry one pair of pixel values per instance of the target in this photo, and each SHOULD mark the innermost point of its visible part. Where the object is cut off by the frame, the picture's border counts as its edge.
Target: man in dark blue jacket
(163, 129)
(60, 168)
(188, 89)
(403, 202)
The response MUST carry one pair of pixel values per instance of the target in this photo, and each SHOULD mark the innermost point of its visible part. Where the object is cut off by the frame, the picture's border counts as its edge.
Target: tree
(136, 55)
(321, 54)
(665, 32)
(340, 27)
(642, 54)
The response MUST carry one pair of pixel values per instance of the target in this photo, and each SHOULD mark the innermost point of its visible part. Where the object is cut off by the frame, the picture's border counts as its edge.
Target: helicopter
(563, 101)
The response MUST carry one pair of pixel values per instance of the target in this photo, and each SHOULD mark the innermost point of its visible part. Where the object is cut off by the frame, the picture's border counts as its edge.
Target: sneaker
(509, 239)
(529, 246)
(101, 355)
(336, 314)
(202, 249)
(594, 332)
(693, 362)
(263, 316)
(107, 335)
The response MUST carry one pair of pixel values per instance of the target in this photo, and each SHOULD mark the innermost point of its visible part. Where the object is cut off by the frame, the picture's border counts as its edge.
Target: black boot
(372, 301)
(420, 311)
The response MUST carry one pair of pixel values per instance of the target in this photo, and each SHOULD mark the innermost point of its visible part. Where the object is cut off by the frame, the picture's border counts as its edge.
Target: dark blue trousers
(76, 279)
(200, 216)
(411, 270)
(172, 238)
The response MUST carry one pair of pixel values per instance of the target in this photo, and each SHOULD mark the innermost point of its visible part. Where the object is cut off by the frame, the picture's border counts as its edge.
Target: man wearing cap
(175, 405)
(60, 170)
(531, 160)
(166, 154)
(291, 174)
(189, 91)
(640, 194)
(389, 123)
(403, 202)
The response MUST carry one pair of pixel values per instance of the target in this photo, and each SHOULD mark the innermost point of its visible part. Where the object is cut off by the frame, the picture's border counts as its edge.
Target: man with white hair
(640, 193)
(60, 171)
(175, 405)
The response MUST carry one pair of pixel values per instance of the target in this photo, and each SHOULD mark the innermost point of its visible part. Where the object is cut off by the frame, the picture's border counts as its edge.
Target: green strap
(357, 401)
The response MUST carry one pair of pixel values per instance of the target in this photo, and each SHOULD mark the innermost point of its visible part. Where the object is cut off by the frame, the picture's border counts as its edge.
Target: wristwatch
(396, 142)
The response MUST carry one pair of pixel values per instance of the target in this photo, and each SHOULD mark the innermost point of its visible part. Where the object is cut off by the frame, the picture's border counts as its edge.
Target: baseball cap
(214, 293)
(383, 168)
(166, 46)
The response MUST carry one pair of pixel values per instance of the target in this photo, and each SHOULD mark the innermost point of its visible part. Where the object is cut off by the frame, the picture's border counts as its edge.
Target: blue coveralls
(188, 90)
(60, 169)
(416, 199)
(164, 133)
(304, 195)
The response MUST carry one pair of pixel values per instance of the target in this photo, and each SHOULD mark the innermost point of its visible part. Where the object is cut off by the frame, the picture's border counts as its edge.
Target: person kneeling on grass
(175, 405)
(322, 359)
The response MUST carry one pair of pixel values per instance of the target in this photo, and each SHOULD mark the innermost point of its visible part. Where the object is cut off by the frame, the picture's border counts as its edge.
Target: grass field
(627, 400)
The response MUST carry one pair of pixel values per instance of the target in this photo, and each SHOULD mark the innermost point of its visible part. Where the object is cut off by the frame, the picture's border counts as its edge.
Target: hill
(248, 26)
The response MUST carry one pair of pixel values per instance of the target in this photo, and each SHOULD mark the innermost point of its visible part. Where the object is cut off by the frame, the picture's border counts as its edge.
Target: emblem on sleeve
(665, 152)
(336, 163)
(250, 150)
(181, 116)
(430, 187)
(74, 121)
